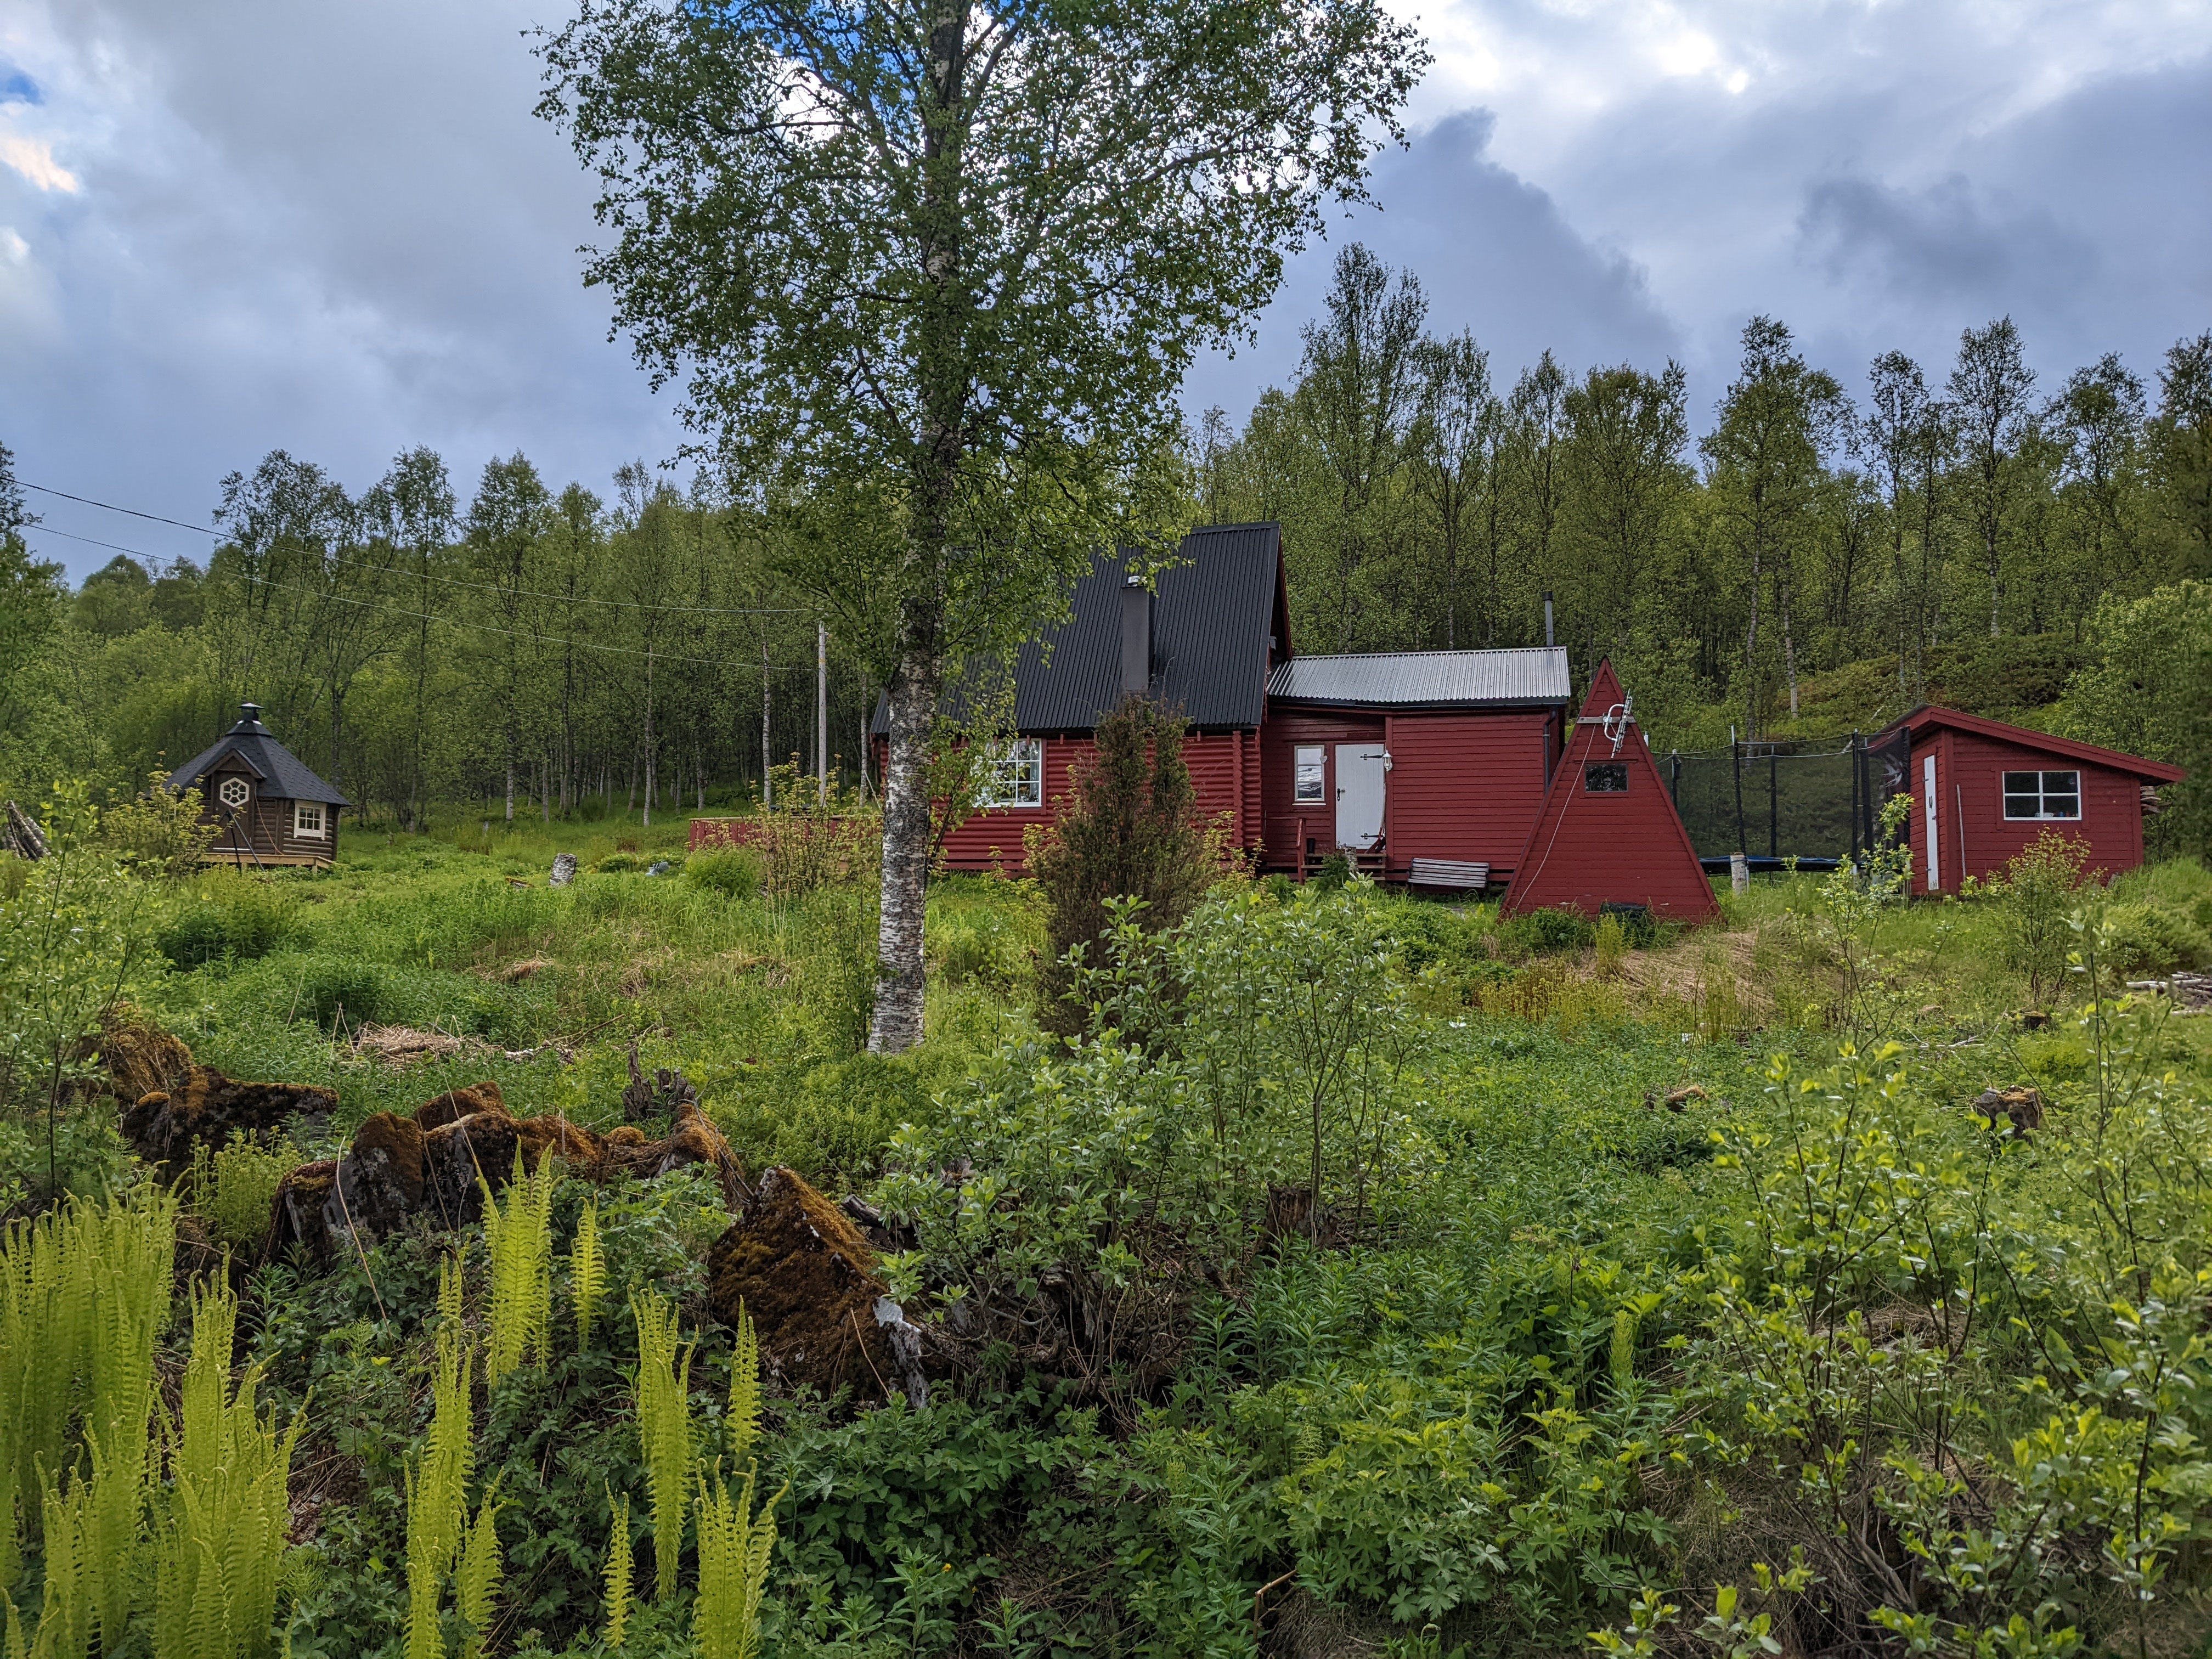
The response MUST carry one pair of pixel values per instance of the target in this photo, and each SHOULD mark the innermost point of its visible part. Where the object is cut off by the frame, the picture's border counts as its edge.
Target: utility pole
(821, 708)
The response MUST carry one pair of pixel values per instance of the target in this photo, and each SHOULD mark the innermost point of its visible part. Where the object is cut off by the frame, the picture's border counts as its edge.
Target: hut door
(1361, 768)
(1930, 818)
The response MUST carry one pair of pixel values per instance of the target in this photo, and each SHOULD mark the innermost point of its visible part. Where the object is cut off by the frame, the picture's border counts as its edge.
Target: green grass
(1506, 1357)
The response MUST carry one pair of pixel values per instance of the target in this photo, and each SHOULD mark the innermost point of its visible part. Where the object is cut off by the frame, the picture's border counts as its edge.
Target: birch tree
(956, 256)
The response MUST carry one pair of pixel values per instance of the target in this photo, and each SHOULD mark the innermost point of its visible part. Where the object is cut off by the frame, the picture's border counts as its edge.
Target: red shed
(1983, 790)
(1608, 832)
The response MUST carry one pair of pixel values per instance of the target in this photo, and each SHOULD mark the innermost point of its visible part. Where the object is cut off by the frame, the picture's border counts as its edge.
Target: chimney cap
(249, 713)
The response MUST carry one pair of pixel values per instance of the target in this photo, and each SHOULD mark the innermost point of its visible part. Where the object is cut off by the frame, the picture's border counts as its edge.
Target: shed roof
(2027, 738)
(283, 774)
(1426, 679)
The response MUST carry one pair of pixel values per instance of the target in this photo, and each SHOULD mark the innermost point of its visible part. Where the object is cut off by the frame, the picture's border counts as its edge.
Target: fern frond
(477, 1580)
(665, 1436)
(450, 1289)
(588, 1273)
(745, 1388)
(519, 1240)
(735, 1546)
(618, 1571)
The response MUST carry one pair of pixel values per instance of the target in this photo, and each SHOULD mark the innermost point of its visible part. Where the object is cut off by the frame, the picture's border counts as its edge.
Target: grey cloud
(1946, 243)
(1494, 254)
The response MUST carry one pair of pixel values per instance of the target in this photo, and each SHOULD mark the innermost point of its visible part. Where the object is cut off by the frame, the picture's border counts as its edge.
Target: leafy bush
(1131, 832)
(616, 864)
(236, 915)
(733, 873)
(1539, 932)
(2147, 938)
(161, 833)
(2037, 897)
(233, 1191)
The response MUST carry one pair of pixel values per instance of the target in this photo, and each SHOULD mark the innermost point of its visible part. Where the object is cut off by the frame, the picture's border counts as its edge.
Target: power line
(422, 575)
(45, 490)
(48, 529)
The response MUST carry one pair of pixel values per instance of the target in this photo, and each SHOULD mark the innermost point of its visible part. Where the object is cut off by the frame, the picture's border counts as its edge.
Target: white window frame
(1016, 778)
(1313, 755)
(321, 829)
(2041, 794)
(222, 792)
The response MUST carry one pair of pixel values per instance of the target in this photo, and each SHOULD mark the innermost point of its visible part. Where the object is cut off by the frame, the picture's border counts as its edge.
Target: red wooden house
(1983, 790)
(1608, 832)
(1425, 766)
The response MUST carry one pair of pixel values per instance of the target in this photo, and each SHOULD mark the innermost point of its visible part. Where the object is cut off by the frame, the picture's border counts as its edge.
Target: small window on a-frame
(1605, 778)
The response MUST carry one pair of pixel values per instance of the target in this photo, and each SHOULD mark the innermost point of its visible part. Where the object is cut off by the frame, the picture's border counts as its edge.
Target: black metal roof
(283, 777)
(1213, 618)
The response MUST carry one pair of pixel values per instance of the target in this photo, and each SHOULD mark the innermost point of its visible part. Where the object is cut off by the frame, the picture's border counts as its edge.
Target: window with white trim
(2043, 794)
(309, 818)
(1310, 787)
(1017, 774)
(233, 792)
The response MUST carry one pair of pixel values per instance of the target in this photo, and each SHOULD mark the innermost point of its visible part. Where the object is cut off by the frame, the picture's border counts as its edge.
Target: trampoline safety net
(1817, 799)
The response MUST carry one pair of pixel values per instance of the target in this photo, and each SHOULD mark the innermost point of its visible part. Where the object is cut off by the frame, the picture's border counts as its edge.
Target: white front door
(1929, 818)
(1361, 768)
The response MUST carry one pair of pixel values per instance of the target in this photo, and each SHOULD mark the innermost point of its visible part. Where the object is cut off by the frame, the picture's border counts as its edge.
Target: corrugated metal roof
(1428, 679)
(1212, 615)
(283, 777)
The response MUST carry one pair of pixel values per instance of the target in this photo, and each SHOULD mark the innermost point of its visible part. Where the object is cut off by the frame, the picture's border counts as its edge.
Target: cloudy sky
(335, 227)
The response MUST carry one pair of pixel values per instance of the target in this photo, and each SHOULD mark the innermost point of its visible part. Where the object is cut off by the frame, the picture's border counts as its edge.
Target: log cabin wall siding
(1284, 735)
(1219, 762)
(1463, 786)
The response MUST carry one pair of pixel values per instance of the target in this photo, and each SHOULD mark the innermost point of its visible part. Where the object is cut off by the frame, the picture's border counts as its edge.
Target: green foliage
(2145, 696)
(73, 941)
(1130, 832)
(234, 916)
(734, 873)
(219, 1545)
(518, 1239)
(160, 834)
(587, 1271)
(84, 1293)
(734, 1546)
(618, 1572)
(1538, 933)
(665, 1435)
(2037, 892)
(233, 1188)
(2147, 938)
(437, 1484)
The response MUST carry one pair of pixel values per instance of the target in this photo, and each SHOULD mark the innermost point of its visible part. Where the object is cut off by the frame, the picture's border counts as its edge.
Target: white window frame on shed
(222, 791)
(1017, 774)
(1309, 775)
(2028, 795)
(319, 827)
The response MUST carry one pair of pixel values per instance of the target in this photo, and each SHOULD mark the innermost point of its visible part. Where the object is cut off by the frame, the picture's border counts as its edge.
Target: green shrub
(2037, 897)
(236, 915)
(616, 864)
(234, 1190)
(2146, 939)
(1132, 831)
(1541, 932)
(733, 873)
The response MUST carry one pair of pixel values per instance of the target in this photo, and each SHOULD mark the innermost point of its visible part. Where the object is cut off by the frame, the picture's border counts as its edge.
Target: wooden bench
(1458, 874)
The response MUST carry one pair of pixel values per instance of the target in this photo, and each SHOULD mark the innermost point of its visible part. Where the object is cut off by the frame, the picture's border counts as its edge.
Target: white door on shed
(1361, 771)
